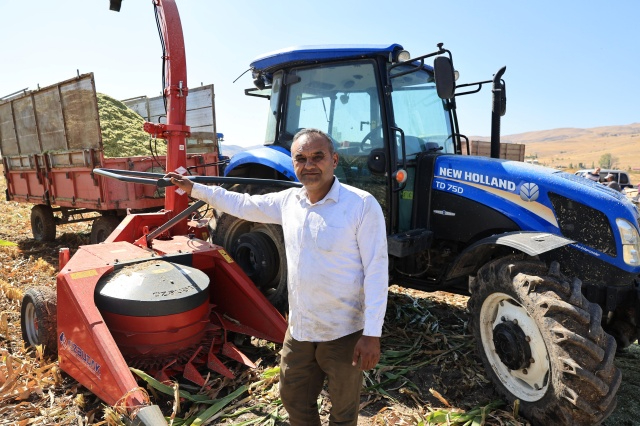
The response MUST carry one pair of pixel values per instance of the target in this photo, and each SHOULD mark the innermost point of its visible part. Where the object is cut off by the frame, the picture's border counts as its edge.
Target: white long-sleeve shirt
(336, 255)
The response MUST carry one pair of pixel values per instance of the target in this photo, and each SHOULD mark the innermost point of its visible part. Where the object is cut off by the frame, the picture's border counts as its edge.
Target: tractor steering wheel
(375, 140)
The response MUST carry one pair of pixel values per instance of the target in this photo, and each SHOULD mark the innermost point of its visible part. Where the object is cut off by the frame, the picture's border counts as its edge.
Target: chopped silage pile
(122, 131)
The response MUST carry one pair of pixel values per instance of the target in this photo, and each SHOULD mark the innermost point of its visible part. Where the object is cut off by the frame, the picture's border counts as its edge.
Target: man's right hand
(178, 180)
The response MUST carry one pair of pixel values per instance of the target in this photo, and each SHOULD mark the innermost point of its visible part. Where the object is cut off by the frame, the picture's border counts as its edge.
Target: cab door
(421, 129)
(341, 99)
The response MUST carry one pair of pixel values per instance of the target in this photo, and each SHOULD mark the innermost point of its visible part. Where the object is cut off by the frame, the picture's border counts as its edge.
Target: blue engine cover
(521, 191)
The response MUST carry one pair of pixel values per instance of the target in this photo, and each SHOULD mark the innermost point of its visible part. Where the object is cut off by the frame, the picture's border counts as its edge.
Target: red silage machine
(154, 295)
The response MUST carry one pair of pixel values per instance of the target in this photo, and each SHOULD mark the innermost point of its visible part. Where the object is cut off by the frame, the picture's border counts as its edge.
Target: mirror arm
(440, 51)
(479, 84)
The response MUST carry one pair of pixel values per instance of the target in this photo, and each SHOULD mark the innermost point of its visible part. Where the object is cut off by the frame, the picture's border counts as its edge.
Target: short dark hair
(315, 133)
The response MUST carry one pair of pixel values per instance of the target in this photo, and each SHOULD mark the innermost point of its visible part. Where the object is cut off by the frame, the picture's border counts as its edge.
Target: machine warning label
(83, 274)
(225, 255)
(477, 178)
(79, 353)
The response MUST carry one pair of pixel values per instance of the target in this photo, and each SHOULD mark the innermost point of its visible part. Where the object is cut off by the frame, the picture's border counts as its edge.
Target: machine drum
(151, 289)
(155, 308)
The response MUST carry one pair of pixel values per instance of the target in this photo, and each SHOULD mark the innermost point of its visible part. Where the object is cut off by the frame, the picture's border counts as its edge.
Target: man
(611, 183)
(335, 241)
(594, 175)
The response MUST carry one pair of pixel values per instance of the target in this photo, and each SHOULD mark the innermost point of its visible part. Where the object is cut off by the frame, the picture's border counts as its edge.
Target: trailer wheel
(38, 318)
(102, 227)
(542, 343)
(43, 224)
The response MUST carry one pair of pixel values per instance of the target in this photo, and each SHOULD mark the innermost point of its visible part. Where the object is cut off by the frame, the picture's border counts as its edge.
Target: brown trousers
(303, 369)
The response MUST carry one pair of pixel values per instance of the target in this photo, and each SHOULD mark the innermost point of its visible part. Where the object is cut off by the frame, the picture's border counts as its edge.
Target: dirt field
(428, 367)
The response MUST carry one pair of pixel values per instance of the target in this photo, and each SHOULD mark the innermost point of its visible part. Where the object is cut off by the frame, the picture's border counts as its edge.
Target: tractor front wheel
(43, 223)
(38, 318)
(542, 343)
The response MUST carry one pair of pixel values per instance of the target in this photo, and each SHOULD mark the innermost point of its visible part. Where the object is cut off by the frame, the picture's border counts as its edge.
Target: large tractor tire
(259, 250)
(102, 227)
(43, 223)
(542, 343)
(38, 318)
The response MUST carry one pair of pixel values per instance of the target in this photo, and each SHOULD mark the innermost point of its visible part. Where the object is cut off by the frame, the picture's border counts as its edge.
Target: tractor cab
(343, 91)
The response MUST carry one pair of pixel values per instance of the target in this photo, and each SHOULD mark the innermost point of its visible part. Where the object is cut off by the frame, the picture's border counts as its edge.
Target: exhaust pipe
(499, 109)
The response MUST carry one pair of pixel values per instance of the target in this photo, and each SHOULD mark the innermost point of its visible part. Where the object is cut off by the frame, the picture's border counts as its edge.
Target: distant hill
(566, 148)
(569, 133)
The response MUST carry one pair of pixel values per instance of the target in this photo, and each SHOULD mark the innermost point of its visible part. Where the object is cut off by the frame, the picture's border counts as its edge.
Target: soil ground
(428, 364)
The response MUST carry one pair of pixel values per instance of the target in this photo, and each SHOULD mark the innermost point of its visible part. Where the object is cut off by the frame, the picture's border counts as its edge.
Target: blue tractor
(550, 260)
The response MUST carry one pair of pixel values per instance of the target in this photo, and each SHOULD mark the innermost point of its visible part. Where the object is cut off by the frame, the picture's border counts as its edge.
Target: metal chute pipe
(233, 180)
(144, 178)
(159, 180)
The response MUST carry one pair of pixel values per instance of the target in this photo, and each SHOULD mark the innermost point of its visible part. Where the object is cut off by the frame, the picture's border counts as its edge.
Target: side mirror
(445, 77)
(377, 162)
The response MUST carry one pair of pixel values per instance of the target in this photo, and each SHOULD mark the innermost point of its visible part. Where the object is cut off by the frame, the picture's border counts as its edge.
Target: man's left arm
(372, 242)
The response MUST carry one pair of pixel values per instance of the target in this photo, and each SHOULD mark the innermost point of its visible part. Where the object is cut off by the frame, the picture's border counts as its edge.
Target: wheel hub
(257, 256)
(514, 347)
(511, 345)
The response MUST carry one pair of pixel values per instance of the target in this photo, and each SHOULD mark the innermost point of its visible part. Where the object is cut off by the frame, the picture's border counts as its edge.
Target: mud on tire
(541, 342)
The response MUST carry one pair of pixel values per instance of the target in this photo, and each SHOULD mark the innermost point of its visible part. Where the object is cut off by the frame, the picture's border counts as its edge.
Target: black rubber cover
(152, 288)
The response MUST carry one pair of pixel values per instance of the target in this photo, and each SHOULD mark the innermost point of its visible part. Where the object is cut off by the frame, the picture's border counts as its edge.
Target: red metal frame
(176, 92)
(87, 349)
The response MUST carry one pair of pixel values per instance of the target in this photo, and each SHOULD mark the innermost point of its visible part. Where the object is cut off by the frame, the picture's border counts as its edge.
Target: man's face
(313, 163)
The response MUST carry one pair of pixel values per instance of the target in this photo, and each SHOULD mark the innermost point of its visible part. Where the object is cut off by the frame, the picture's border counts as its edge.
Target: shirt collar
(333, 194)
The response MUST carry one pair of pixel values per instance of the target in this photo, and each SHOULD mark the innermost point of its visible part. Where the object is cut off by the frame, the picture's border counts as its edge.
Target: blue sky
(569, 63)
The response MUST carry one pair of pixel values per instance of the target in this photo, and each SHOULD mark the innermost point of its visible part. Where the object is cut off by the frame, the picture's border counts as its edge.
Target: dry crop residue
(428, 363)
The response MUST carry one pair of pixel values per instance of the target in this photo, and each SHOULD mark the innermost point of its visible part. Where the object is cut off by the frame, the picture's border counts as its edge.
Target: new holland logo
(529, 191)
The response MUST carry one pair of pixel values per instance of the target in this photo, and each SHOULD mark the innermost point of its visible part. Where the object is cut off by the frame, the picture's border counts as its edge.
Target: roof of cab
(298, 54)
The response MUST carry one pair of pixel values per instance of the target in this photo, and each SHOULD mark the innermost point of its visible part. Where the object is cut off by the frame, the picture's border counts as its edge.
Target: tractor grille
(584, 224)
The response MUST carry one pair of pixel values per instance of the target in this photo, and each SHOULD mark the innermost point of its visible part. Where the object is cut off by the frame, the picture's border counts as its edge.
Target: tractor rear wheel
(38, 318)
(102, 227)
(43, 224)
(257, 247)
(259, 250)
(542, 343)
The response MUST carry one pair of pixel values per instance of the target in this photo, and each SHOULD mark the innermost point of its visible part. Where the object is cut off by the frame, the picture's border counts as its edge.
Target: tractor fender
(480, 252)
(275, 157)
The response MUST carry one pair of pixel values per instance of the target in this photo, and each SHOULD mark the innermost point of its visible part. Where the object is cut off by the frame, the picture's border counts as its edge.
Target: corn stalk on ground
(428, 373)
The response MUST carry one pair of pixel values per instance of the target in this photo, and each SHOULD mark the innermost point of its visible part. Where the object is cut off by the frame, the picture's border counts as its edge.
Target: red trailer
(50, 142)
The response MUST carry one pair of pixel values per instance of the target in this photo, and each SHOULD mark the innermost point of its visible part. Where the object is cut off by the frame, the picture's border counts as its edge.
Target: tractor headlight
(403, 56)
(630, 242)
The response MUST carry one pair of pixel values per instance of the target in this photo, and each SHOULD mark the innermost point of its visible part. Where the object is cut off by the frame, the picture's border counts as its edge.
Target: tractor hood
(540, 198)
